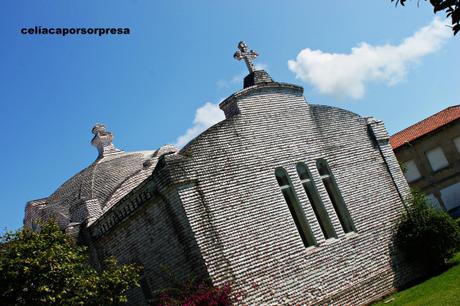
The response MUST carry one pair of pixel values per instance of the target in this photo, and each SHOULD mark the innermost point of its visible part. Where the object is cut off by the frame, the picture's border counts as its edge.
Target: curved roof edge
(248, 90)
(185, 148)
(425, 126)
(342, 110)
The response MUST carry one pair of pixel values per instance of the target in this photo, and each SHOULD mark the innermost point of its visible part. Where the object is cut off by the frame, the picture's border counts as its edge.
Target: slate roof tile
(425, 126)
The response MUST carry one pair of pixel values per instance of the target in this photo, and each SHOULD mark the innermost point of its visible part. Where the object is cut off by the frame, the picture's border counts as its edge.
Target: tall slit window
(315, 201)
(294, 207)
(335, 196)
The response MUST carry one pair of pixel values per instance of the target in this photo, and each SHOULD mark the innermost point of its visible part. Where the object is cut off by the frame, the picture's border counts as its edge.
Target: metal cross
(247, 55)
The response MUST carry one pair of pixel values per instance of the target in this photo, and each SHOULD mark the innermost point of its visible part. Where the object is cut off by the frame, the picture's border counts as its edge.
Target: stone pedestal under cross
(102, 140)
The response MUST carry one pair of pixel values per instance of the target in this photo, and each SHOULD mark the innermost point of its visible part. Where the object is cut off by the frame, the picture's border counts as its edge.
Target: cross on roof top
(248, 56)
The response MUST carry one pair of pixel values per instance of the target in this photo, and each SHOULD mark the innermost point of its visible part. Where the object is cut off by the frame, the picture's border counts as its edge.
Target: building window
(457, 144)
(294, 207)
(335, 196)
(451, 196)
(315, 201)
(411, 173)
(437, 159)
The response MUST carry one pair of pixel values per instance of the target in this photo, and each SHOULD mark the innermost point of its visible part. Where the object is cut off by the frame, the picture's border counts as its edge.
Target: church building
(291, 203)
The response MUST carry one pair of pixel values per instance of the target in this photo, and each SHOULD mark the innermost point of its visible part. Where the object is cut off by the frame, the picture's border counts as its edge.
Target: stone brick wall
(242, 223)
(32, 212)
(149, 227)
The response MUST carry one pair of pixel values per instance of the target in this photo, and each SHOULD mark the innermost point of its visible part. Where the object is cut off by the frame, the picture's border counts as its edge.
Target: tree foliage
(427, 235)
(48, 268)
(450, 7)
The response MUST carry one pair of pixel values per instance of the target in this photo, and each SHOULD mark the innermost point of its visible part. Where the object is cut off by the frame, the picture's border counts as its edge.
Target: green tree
(450, 7)
(427, 235)
(46, 267)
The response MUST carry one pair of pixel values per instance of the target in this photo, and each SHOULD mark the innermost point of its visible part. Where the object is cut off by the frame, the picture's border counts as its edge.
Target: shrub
(46, 268)
(425, 234)
(197, 294)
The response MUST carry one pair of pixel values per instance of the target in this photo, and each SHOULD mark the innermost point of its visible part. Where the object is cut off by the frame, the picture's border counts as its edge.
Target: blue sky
(147, 86)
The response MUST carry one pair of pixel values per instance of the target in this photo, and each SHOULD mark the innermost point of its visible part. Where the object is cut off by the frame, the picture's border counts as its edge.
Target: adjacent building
(429, 151)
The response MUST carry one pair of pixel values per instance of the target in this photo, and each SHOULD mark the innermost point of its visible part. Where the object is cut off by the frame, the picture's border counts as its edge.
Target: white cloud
(238, 79)
(343, 75)
(205, 116)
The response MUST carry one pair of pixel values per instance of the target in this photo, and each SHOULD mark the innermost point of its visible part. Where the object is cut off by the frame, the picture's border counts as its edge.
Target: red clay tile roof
(425, 126)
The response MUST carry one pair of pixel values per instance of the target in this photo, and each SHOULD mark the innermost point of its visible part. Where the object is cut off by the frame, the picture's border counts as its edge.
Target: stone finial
(102, 140)
(248, 56)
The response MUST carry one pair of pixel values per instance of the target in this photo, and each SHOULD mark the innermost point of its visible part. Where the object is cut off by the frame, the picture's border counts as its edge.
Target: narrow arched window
(294, 207)
(315, 201)
(335, 196)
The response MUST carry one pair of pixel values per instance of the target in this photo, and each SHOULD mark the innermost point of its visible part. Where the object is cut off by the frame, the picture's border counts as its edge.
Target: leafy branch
(450, 7)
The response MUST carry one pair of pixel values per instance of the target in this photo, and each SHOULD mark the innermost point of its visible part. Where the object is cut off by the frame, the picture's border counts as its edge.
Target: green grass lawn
(443, 289)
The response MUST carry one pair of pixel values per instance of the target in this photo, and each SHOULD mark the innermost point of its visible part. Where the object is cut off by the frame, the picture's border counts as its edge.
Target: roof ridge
(427, 118)
(425, 126)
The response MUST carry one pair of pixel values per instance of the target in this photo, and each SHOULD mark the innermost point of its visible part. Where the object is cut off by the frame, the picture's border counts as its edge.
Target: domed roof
(111, 176)
(100, 179)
